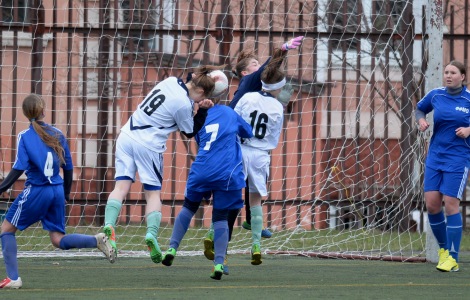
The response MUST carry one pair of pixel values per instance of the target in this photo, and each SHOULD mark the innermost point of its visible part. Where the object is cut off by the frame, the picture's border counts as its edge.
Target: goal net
(345, 179)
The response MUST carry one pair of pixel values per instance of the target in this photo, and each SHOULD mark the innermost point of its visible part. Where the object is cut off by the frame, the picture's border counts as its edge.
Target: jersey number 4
(152, 102)
(258, 122)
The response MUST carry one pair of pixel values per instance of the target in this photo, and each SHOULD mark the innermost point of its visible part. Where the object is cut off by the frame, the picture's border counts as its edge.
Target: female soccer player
(265, 114)
(448, 160)
(249, 70)
(42, 151)
(217, 169)
(140, 146)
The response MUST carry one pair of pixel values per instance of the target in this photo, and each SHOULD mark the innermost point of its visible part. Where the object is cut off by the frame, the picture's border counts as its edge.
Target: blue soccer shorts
(45, 203)
(451, 184)
(220, 199)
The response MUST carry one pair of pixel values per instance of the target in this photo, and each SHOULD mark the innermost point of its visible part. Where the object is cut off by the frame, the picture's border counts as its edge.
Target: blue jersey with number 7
(218, 164)
(41, 163)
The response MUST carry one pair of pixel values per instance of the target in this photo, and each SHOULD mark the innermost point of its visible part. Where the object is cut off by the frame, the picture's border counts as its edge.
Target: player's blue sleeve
(244, 129)
(425, 104)
(22, 158)
(249, 83)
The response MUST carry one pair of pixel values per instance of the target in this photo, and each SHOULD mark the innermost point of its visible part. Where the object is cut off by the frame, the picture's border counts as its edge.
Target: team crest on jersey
(463, 109)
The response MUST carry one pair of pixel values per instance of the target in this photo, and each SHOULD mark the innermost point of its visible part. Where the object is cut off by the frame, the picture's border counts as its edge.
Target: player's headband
(273, 86)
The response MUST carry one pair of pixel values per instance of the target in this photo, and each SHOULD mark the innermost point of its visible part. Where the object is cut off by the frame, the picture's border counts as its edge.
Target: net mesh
(345, 177)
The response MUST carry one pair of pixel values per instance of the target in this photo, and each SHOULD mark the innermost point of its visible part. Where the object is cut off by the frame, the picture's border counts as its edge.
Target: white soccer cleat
(7, 283)
(104, 246)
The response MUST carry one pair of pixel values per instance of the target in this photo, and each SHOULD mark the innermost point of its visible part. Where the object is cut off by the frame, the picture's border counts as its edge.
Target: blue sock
(181, 226)
(220, 241)
(10, 251)
(454, 234)
(439, 228)
(76, 240)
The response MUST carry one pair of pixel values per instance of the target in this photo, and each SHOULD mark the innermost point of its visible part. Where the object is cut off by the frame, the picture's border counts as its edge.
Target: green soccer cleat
(448, 265)
(110, 234)
(217, 272)
(246, 225)
(169, 257)
(209, 246)
(155, 253)
(256, 255)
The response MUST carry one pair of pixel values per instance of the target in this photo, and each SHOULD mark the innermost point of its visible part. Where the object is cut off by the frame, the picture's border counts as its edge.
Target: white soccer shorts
(132, 157)
(256, 168)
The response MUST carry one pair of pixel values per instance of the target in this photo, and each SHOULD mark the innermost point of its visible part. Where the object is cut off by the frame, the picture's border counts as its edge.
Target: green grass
(371, 242)
(278, 277)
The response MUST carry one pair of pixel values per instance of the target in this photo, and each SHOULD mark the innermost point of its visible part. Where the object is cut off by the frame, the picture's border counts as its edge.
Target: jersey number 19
(152, 102)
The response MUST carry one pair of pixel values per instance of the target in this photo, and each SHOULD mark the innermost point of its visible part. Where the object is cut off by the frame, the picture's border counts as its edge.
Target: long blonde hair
(33, 109)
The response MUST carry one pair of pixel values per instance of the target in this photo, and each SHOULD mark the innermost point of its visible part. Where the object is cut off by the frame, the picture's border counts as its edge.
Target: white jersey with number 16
(265, 114)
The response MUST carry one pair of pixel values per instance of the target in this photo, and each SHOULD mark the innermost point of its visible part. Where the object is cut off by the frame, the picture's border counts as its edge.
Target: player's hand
(463, 132)
(293, 43)
(206, 103)
(423, 125)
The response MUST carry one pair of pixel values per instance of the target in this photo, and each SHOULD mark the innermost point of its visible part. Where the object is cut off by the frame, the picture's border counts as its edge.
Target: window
(388, 14)
(14, 11)
(343, 18)
(387, 19)
(147, 15)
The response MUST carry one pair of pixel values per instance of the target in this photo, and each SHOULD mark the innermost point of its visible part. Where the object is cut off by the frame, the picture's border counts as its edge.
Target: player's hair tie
(273, 86)
(32, 120)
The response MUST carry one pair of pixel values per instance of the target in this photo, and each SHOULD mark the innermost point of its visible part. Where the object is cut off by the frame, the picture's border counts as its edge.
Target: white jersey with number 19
(265, 114)
(166, 108)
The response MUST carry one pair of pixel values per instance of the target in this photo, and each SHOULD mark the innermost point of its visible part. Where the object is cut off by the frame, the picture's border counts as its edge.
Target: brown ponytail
(33, 109)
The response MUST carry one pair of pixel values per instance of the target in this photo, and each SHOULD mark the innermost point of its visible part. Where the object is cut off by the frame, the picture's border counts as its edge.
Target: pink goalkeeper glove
(292, 44)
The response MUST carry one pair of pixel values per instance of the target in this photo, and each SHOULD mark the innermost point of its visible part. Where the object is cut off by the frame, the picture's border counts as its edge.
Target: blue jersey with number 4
(41, 163)
(218, 164)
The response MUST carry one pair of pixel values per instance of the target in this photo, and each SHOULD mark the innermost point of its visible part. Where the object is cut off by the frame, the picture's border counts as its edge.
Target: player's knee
(219, 215)
(56, 241)
(191, 205)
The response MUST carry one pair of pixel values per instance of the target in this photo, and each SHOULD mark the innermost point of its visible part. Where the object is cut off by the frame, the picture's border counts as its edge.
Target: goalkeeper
(249, 70)
(266, 114)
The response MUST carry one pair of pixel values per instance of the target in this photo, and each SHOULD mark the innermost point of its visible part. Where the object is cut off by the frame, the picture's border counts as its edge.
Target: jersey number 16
(258, 122)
